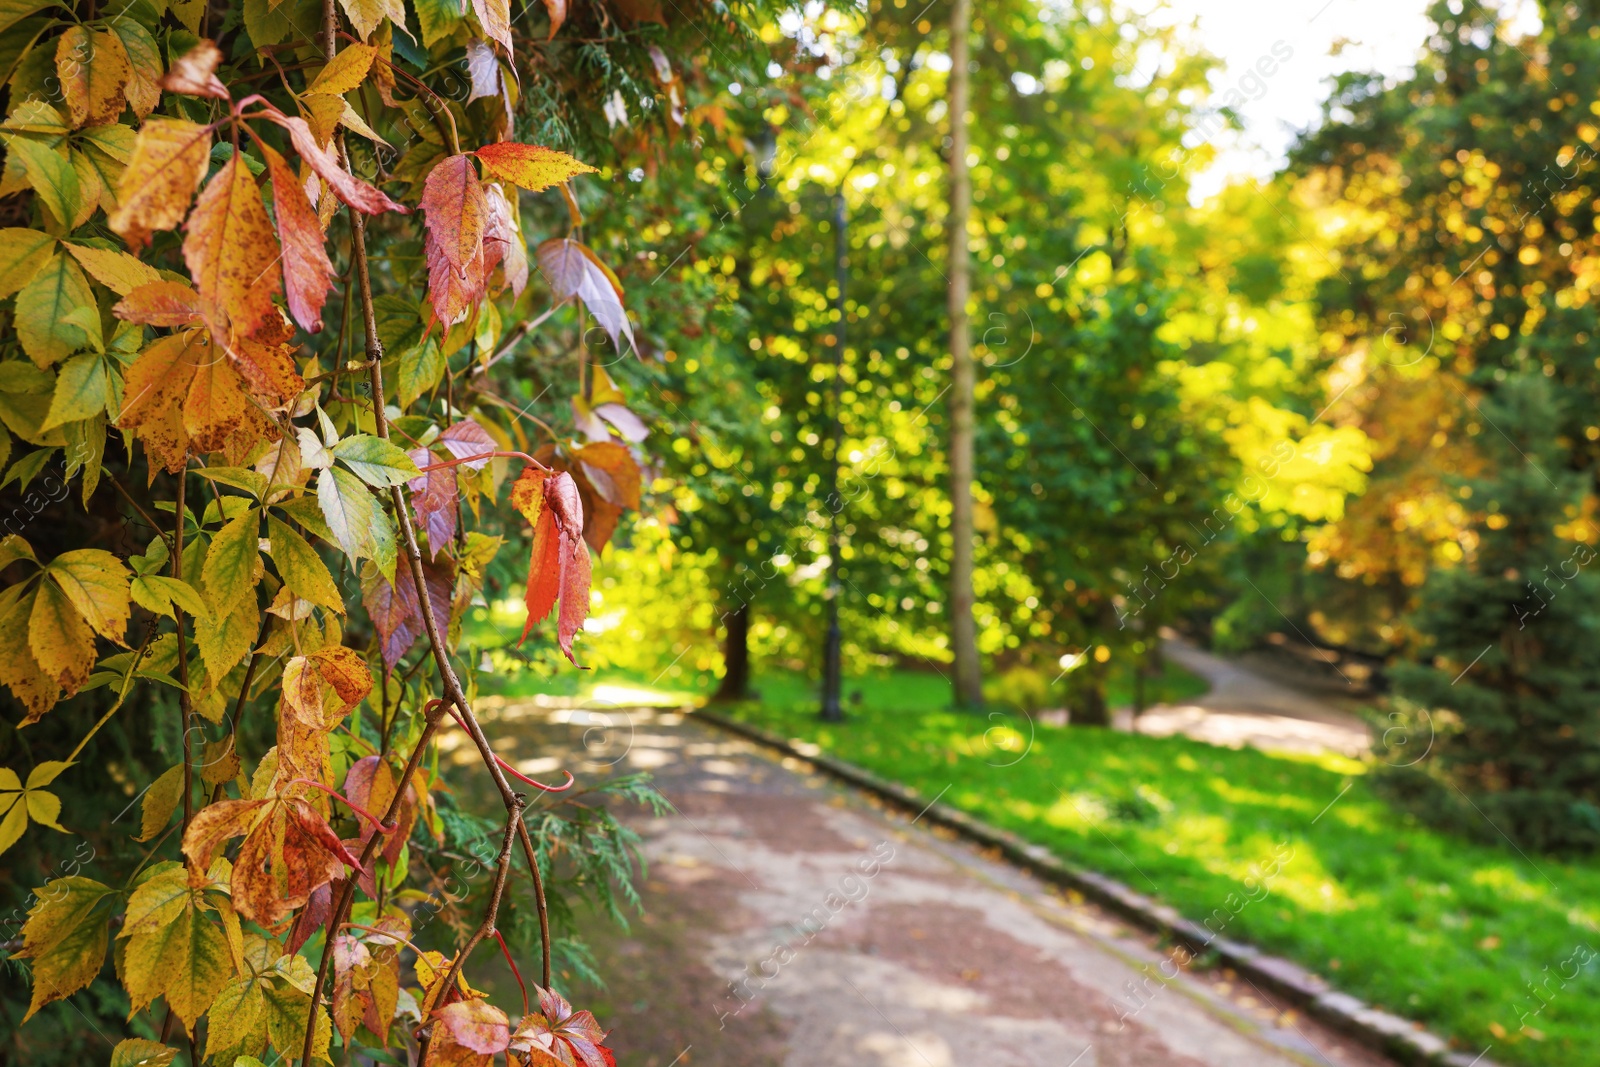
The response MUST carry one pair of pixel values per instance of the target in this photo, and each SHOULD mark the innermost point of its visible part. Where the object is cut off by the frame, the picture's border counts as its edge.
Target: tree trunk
(735, 683)
(963, 629)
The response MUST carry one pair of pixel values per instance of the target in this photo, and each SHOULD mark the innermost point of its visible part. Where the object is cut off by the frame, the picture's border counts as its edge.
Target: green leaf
(22, 253)
(376, 461)
(66, 938)
(230, 569)
(160, 801)
(301, 568)
(421, 367)
(46, 324)
(52, 177)
(83, 389)
(438, 19)
(349, 509)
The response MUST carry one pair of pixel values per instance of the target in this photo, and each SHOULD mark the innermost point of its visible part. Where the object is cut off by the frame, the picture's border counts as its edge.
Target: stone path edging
(1407, 1041)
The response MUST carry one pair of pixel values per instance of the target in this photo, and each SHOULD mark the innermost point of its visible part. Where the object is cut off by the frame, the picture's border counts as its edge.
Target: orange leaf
(476, 1027)
(559, 567)
(195, 72)
(284, 859)
(160, 303)
(182, 392)
(169, 159)
(307, 272)
(232, 253)
(533, 167)
(612, 471)
(557, 10)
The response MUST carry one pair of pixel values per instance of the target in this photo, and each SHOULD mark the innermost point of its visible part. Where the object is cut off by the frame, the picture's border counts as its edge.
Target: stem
(458, 460)
(382, 827)
(496, 894)
(347, 888)
(390, 934)
(183, 661)
(506, 951)
(518, 774)
(127, 684)
(143, 514)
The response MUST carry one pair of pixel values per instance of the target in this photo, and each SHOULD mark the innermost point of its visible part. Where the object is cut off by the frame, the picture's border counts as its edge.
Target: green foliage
(1509, 679)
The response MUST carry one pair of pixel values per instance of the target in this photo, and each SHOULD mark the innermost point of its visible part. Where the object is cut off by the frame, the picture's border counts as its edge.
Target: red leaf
(456, 212)
(558, 15)
(370, 783)
(559, 567)
(307, 272)
(477, 1025)
(346, 186)
(312, 917)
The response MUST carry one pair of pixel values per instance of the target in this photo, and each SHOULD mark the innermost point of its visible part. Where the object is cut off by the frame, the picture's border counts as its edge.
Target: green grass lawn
(1420, 923)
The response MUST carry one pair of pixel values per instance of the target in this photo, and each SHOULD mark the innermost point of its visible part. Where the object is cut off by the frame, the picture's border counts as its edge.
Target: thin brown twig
(496, 894)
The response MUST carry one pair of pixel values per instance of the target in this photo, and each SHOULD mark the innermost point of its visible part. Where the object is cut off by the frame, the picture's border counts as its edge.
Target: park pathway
(790, 921)
(1245, 708)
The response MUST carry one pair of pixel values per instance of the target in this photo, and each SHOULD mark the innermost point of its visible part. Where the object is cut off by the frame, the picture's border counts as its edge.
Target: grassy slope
(1423, 924)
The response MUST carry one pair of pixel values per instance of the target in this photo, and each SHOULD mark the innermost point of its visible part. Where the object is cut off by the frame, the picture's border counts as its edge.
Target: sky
(1374, 35)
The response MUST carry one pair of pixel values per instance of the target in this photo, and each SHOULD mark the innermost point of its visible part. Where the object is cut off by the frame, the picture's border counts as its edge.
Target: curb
(1407, 1041)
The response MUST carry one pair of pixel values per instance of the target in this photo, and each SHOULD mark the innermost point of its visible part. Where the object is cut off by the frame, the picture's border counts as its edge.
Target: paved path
(792, 922)
(1243, 708)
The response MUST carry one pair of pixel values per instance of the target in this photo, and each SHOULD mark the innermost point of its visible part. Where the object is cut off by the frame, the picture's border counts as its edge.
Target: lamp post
(831, 673)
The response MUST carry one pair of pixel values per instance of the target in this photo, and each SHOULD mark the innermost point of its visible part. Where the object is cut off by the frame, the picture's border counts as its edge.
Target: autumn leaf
(61, 642)
(20, 803)
(160, 801)
(160, 303)
(288, 851)
(557, 10)
(175, 948)
(144, 60)
(232, 563)
(559, 568)
(93, 68)
(307, 271)
(267, 1003)
(22, 253)
(137, 1052)
(65, 937)
(117, 271)
(533, 167)
(354, 518)
(323, 686)
(20, 672)
(468, 1033)
(467, 440)
(434, 495)
(232, 253)
(396, 613)
(572, 270)
(184, 391)
(301, 569)
(495, 18)
(365, 15)
(346, 186)
(168, 163)
(557, 1035)
(194, 73)
(612, 471)
(370, 783)
(502, 242)
(346, 70)
(455, 212)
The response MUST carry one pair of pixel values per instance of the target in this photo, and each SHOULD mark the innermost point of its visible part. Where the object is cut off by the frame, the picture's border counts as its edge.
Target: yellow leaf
(160, 801)
(175, 948)
(533, 167)
(347, 70)
(97, 584)
(366, 14)
(19, 671)
(137, 1052)
(302, 570)
(117, 271)
(224, 640)
(94, 69)
(169, 160)
(61, 642)
(232, 563)
(65, 936)
(22, 253)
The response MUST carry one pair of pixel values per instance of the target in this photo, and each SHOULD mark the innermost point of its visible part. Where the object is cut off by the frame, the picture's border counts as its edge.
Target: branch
(496, 894)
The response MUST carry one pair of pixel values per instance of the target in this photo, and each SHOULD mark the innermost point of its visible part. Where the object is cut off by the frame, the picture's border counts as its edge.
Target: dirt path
(792, 922)
(1244, 708)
